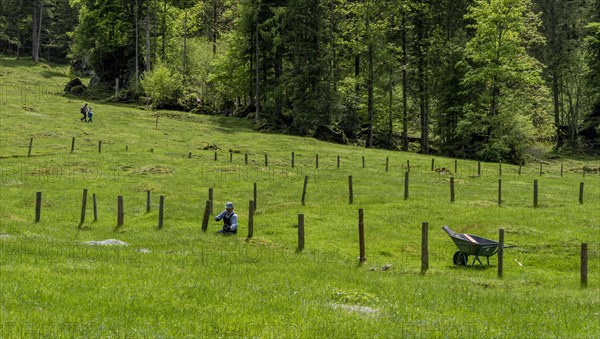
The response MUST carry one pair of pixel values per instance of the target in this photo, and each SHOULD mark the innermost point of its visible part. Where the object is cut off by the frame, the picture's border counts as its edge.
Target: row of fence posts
(301, 232)
(452, 191)
(266, 160)
(304, 190)
(120, 209)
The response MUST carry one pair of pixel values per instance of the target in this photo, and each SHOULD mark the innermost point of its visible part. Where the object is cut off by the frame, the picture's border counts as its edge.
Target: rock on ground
(108, 242)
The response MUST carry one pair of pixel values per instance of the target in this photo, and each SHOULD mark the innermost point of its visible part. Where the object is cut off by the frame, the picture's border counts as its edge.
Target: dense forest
(483, 79)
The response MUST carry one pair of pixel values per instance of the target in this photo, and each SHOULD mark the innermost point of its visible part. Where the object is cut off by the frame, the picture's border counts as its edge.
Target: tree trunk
(404, 87)
(215, 27)
(164, 30)
(34, 31)
(391, 109)
(154, 38)
(256, 63)
(137, 47)
(148, 51)
(36, 19)
(39, 35)
(370, 85)
(278, 73)
(251, 77)
(422, 87)
(356, 74)
(333, 80)
(185, 72)
(558, 138)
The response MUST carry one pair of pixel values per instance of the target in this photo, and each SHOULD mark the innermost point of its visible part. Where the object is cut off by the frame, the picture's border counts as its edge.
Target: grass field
(181, 282)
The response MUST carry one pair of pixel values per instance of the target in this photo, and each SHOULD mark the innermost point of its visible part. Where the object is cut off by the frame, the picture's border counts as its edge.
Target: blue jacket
(233, 219)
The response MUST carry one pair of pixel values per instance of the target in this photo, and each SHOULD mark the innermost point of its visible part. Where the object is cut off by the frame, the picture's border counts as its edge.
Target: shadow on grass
(477, 267)
(51, 74)
(231, 124)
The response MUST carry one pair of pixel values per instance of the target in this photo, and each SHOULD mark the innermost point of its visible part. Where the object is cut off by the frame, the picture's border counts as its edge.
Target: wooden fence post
(126, 148)
(95, 207)
(38, 206)
(73, 145)
(584, 265)
(535, 193)
(304, 189)
(300, 232)
(408, 165)
(230, 156)
(206, 215)
(99, 146)
(350, 191)
(293, 159)
(499, 192)
(451, 189)
(161, 206)
(266, 160)
(432, 164)
(520, 169)
(120, 213)
(387, 161)
(406, 185)
(246, 158)
(500, 168)
(216, 156)
(190, 155)
(30, 145)
(148, 201)
(317, 160)
(455, 167)
(581, 193)
(250, 219)
(338, 161)
(501, 253)
(361, 236)
(479, 168)
(83, 207)
(424, 247)
(255, 197)
(561, 170)
(210, 198)
(363, 161)
(541, 169)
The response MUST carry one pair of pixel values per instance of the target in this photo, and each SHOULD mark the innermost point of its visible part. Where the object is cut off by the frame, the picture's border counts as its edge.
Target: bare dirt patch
(153, 170)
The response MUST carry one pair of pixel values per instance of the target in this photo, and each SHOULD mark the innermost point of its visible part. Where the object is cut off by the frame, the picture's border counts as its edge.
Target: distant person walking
(230, 220)
(90, 114)
(84, 111)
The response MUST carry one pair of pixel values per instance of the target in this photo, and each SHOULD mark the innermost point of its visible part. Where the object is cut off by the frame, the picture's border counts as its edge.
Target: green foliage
(341, 62)
(592, 44)
(105, 37)
(500, 80)
(163, 86)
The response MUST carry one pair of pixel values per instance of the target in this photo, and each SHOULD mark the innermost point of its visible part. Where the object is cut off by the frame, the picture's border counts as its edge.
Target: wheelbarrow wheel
(460, 258)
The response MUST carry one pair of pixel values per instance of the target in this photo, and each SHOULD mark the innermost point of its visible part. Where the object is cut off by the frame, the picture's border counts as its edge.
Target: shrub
(163, 86)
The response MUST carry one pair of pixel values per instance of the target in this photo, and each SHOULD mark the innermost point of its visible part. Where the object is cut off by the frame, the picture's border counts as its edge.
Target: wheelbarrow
(469, 244)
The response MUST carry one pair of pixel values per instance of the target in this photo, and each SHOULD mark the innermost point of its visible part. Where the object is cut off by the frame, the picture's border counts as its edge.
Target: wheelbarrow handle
(510, 246)
(449, 231)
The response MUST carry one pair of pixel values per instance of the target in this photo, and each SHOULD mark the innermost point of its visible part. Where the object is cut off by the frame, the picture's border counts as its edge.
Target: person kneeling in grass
(230, 220)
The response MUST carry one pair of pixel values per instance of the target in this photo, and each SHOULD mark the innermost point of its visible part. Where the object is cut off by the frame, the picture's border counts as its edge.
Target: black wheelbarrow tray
(469, 244)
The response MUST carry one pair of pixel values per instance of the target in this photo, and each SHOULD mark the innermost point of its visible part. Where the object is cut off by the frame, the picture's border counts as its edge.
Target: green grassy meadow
(181, 282)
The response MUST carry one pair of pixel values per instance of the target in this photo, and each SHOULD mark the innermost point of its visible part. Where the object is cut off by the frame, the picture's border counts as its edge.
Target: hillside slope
(179, 281)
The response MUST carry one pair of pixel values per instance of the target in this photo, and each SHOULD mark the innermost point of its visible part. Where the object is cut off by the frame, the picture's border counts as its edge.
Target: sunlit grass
(179, 281)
